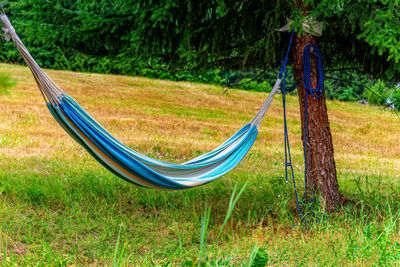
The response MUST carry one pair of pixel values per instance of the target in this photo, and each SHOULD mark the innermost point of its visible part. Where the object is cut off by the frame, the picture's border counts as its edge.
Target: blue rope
(315, 92)
(288, 156)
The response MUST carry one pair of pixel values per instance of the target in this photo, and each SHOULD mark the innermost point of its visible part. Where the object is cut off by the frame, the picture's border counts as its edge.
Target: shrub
(6, 82)
(378, 94)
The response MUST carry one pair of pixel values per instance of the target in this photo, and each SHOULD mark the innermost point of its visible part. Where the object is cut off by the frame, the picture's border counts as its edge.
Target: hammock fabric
(125, 162)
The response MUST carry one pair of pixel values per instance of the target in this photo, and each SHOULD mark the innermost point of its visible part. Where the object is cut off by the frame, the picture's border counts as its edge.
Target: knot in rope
(8, 28)
(284, 62)
(315, 92)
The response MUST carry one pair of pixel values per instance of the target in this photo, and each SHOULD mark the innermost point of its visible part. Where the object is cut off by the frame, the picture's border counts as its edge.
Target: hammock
(125, 162)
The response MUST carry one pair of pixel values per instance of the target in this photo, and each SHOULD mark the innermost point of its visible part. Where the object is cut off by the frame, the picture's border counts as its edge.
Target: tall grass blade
(253, 255)
(205, 220)
(232, 202)
(115, 263)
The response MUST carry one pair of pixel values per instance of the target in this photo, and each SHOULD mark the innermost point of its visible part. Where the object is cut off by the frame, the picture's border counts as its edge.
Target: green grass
(58, 206)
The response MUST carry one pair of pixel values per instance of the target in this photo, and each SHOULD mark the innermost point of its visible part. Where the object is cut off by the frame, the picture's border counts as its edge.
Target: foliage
(378, 89)
(346, 85)
(382, 32)
(248, 84)
(261, 258)
(395, 97)
(363, 34)
(125, 36)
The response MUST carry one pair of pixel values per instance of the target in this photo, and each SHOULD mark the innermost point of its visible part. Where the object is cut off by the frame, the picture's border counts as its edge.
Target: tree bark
(321, 168)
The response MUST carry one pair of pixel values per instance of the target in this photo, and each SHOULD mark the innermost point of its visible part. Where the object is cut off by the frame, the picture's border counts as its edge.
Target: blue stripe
(194, 163)
(220, 161)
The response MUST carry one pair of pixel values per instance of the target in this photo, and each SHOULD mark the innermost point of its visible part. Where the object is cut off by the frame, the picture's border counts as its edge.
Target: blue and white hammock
(127, 163)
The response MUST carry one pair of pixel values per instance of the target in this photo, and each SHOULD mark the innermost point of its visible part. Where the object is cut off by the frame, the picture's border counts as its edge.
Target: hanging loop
(315, 92)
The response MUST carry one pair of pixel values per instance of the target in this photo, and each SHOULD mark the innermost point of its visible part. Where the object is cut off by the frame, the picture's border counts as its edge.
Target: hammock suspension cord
(288, 156)
(315, 92)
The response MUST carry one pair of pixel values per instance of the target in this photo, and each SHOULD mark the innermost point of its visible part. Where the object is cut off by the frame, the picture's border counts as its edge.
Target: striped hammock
(125, 162)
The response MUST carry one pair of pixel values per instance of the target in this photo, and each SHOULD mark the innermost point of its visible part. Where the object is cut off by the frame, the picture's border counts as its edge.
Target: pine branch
(253, 79)
(369, 89)
(173, 70)
(340, 69)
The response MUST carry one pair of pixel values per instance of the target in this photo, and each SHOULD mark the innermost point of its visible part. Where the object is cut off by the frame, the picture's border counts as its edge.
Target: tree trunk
(321, 169)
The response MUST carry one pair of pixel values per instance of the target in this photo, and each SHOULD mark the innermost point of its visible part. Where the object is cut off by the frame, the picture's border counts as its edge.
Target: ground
(58, 206)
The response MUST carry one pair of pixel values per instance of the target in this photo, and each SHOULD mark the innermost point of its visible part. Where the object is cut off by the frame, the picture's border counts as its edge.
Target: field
(58, 206)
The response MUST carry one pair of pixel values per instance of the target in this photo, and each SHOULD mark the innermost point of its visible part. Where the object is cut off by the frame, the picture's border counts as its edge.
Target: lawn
(58, 206)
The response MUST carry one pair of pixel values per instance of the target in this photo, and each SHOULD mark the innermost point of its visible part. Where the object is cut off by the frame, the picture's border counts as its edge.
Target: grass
(58, 206)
